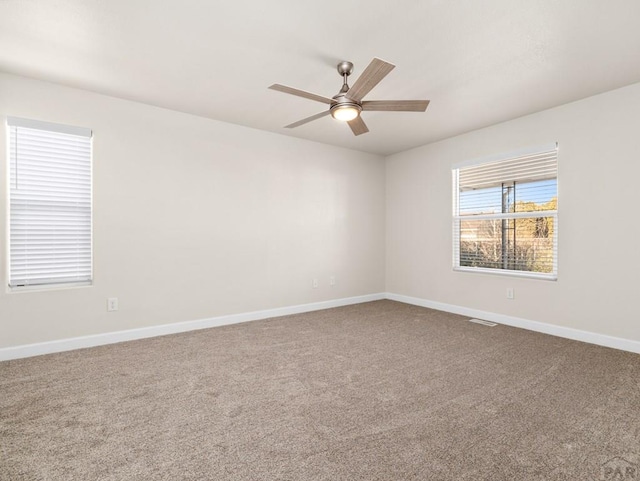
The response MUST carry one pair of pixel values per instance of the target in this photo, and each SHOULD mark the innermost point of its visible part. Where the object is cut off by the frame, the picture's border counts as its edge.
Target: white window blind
(506, 214)
(50, 203)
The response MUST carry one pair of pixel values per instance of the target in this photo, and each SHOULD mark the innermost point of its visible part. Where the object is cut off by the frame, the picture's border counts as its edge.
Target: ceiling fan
(347, 104)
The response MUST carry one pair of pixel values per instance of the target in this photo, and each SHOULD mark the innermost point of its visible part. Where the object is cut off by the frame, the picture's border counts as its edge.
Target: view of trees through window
(499, 227)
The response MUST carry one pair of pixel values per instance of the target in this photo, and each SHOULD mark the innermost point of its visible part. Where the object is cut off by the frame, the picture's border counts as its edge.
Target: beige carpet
(376, 391)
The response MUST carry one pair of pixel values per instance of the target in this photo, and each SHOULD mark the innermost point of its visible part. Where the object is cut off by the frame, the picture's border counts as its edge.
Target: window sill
(48, 287)
(508, 273)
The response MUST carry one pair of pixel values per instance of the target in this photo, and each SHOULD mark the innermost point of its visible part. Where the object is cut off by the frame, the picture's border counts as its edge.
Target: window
(50, 204)
(505, 217)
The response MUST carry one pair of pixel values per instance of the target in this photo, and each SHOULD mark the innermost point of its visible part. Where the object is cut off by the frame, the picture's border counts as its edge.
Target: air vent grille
(483, 322)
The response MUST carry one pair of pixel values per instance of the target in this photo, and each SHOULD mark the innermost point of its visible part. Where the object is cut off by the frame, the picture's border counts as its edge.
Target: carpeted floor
(376, 391)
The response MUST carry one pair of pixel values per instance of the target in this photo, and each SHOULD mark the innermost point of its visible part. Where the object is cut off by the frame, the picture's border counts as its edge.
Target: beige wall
(195, 218)
(599, 232)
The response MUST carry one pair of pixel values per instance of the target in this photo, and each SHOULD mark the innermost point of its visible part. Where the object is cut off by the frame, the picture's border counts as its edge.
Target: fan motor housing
(343, 103)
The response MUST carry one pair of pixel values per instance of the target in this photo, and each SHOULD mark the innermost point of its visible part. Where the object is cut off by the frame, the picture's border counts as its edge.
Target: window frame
(51, 128)
(457, 218)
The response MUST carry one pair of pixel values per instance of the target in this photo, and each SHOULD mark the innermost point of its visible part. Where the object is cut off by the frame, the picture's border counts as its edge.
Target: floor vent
(483, 322)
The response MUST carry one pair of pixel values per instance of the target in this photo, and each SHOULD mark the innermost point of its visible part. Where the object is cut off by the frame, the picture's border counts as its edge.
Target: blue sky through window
(489, 200)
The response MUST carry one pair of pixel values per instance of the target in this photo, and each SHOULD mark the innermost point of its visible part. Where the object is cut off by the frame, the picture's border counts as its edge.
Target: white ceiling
(479, 62)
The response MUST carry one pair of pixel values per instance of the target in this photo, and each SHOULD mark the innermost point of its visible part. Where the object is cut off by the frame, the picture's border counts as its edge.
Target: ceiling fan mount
(347, 104)
(345, 68)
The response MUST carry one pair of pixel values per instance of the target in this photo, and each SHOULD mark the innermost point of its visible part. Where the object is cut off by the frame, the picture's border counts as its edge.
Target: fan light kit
(345, 112)
(347, 104)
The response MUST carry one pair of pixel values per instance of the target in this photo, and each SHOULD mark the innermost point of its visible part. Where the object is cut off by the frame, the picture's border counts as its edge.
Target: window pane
(481, 201)
(510, 197)
(535, 196)
(514, 244)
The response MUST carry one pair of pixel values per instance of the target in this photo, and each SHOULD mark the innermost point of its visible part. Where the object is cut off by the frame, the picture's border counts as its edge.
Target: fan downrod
(344, 69)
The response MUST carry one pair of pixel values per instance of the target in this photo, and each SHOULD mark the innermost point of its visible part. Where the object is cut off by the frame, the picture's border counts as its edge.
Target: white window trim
(49, 126)
(506, 156)
(553, 276)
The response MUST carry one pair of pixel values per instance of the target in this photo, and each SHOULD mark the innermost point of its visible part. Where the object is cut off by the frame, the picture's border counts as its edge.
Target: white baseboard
(28, 350)
(554, 330)
(70, 344)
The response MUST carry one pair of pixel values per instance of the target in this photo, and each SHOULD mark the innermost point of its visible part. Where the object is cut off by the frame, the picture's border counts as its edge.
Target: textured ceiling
(479, 62)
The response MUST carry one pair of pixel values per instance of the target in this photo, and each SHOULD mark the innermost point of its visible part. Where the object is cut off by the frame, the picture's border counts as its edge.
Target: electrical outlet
(332, 280)
(112, 304)
(314, 283)
(510, 293)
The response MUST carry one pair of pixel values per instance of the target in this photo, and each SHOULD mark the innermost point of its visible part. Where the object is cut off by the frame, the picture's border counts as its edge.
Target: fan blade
(358, 126)
(308, 119)
(301, 93)
(395, 105)
(372, 75)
